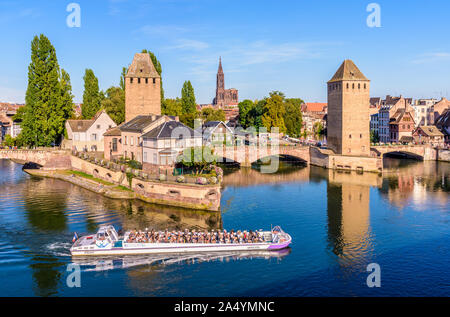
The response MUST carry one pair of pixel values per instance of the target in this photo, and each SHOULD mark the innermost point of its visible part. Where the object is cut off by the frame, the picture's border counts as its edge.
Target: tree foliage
(274, 112)
(114, 104)
(48, 100)
(188, 103)
(91, 97)
(293, 117)
(172, 107)
(198, 158)
(211, 114)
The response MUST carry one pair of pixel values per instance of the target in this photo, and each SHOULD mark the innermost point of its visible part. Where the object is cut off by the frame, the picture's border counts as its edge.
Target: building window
(145, 156)
(94, 137)
(154, 80)
(131, 80)
(353, 86)
(146, 80)
(364, 86)
(359, 86)
(114, 145)
(360, 136)
(126, 141)
(349, 136)
(98, 126)
(347, 86)
(132, 140)
(139, 80)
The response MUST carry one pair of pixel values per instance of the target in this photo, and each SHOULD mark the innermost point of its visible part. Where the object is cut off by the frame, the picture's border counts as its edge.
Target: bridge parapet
(47, 158)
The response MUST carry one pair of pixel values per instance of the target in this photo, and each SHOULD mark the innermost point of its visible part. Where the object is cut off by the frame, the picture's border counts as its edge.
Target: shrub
(201, 181)
(180, 179)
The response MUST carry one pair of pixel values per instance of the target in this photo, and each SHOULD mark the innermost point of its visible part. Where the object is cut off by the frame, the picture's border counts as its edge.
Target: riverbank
(88, 182)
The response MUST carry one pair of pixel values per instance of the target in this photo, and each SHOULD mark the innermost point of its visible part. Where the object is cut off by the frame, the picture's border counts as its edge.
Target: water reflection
(407, 181)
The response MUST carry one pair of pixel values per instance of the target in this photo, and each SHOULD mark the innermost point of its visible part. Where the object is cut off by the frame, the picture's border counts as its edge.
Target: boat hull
(163, 248)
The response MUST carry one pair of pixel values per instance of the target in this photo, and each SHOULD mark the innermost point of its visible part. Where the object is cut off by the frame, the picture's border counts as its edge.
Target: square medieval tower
(142, 88)
(348, 120)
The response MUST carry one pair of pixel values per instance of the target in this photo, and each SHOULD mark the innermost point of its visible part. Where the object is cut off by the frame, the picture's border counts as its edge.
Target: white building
(162, 145)
(88, 134)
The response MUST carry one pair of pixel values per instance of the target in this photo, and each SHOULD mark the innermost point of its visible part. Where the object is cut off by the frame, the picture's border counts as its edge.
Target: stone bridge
(421, 152)
(245, 155)
(49, 159)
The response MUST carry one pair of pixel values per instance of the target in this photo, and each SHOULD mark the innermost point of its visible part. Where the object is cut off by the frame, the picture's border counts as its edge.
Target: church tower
(142, 88)
(348, 119)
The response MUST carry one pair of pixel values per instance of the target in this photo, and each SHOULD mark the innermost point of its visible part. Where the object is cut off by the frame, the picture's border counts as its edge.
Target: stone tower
(224, 97)
(348, 125)
(142, 88)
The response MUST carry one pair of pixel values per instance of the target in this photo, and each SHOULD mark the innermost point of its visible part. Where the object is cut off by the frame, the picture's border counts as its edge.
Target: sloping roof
(348, 71)
(113, 132)
(139, 123)
(165, 131)
(80, 125)
(84, 125)
(444, 120)
(315, 106)
(142, 66)
(431, 130)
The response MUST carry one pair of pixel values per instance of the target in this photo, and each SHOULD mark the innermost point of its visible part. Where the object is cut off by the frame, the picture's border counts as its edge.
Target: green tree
(293, 117)
(122, 78)
(318, 128)
(48, 100)
(374, 137)
(188, 103)
(172, 107)
(114, 104)
(274, 112)
(91, 97)
(210, 114)
(198, 158)
(189, 119)
(245, 108)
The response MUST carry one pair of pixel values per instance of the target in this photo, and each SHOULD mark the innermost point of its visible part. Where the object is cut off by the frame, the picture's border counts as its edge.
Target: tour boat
(108, 242)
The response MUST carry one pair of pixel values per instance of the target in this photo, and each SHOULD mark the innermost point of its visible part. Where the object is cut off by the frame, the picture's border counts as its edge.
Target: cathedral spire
(220, 65)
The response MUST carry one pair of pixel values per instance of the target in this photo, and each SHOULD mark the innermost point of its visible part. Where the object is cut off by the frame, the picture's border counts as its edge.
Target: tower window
(364, 86)
(349, 136)
(360, 136)
(347, 86)
(154, 80)
(359, 86)
(139, 80)
(353, 86)
(146, 80)
(131, 80)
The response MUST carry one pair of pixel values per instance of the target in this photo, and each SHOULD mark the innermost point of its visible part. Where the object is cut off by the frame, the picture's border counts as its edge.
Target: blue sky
(291, 46)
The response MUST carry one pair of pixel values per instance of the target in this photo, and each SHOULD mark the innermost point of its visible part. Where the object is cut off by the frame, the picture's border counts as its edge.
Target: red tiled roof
(316, 107)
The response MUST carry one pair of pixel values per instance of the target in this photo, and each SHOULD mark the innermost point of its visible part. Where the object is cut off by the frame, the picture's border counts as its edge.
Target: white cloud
(432, 57)
(189, 45)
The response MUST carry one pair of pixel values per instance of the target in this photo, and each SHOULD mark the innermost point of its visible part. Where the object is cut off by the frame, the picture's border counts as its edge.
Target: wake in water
(59, 248)
(111, 263)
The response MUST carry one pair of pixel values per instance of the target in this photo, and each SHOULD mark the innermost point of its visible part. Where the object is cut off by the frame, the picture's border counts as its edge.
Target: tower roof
(142, 66)
(220, 65)
(348, 71)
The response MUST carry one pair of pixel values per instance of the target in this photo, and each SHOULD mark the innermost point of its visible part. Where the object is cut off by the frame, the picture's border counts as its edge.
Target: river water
(340, 223)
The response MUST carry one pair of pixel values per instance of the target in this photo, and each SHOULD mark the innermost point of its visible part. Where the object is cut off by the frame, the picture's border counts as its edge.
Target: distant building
(87, 135)
(164, 143)
(401, 126)
(429, 135)
(423, 110)
(443, 124)
(348, 131)
(438, 108)
(142, 88)
(387, 111)
(315, 107)
(216, 133)
(224, 97)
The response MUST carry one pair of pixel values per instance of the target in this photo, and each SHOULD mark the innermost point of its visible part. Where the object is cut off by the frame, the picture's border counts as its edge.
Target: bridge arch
(402, 155)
